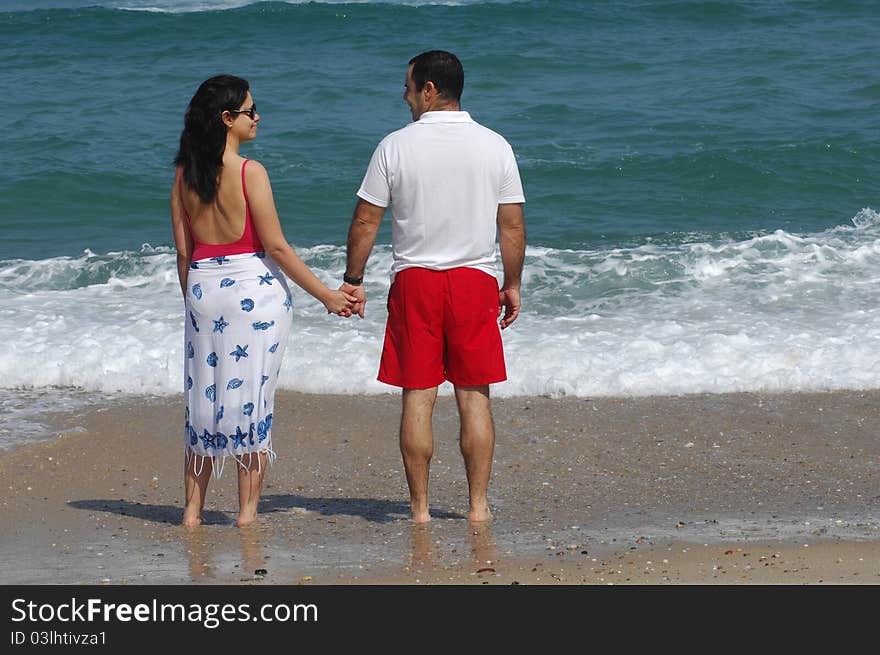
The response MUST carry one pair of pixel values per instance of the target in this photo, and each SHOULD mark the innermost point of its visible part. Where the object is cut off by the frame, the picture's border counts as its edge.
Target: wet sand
(707, 489)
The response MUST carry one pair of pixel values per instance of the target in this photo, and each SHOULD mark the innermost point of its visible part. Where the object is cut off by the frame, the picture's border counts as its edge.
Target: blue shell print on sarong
(263, 428)
(231, 367)
(193, 437)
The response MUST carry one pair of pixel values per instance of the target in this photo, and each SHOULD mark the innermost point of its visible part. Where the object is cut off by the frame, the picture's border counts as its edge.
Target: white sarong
(238, 318)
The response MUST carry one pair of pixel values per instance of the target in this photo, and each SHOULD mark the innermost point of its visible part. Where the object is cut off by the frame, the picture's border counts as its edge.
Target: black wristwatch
(353, 281)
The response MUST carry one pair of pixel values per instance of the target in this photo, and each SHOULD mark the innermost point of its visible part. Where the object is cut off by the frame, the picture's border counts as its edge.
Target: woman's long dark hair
(203, 139)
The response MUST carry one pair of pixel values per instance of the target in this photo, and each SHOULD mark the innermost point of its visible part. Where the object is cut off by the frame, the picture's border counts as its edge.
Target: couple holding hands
(453, 187)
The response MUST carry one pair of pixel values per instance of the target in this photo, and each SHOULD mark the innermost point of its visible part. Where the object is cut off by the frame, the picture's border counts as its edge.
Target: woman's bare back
(223, 220)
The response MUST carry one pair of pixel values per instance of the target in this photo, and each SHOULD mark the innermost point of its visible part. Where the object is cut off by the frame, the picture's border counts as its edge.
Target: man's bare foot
(418, 509)
(420, 516)
(480, 515)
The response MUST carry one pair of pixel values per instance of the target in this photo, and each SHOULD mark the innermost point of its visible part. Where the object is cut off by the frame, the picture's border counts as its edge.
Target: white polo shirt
(444, 177)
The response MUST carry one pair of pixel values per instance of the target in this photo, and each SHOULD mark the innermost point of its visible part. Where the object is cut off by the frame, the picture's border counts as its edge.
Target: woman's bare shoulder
(256, 174)
(254, 167)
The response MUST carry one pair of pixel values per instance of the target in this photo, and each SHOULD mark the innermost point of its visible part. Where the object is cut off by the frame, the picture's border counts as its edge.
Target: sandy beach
(705, 489)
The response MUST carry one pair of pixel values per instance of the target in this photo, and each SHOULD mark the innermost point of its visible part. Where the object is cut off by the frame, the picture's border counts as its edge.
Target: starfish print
(266, 279)
(219, 324)
(238, 439)
(239, 352)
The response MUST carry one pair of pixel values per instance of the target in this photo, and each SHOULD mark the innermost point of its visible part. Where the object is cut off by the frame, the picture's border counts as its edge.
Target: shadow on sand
(371, 509)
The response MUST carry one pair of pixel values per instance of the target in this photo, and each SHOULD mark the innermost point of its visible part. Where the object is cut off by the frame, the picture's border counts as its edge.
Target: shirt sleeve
(511, 186)
(376, 187)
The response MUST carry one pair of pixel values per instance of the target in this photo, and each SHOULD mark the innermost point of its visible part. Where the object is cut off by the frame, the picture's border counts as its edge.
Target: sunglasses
(250, 111)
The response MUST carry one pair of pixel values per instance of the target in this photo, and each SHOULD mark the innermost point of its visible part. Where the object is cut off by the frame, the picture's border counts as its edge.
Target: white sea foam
(777, 311)
(174, 7)
(27, 415)
(190, 6)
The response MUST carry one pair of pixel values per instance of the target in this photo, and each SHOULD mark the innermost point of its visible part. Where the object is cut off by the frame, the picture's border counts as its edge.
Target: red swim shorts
(442, 325)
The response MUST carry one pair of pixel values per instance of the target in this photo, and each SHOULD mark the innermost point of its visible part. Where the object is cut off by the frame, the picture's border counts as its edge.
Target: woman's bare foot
(191, 519)
(250, 485)
(196, 474)
(245, 518)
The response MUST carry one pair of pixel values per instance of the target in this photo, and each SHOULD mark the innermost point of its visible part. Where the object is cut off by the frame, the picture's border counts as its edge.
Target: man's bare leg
(477, 443)
(196, 475)
(417, 447)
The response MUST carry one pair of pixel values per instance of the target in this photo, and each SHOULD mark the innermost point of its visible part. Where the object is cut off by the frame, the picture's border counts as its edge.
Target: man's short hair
(442, 68)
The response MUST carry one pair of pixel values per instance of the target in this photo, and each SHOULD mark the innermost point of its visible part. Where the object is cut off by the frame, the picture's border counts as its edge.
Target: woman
(231, 259)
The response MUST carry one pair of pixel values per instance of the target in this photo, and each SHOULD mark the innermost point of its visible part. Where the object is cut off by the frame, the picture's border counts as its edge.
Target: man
(450, 182)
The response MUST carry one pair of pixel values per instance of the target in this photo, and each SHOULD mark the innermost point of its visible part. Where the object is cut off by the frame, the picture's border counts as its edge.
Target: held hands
(509, 299)
(351, 299)
(360, 296)
(340, 303)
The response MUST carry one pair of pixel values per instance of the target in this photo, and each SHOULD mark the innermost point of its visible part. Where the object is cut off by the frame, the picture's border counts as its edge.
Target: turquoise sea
(702, 182)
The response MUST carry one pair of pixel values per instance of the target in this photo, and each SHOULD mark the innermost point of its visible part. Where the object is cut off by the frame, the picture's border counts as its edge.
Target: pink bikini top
(249, 241)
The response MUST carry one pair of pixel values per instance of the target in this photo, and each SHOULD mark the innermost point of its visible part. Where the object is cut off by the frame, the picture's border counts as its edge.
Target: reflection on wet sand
(426, 553)
(198, 550)
(483, 549)
(202, 549)
(422, 548)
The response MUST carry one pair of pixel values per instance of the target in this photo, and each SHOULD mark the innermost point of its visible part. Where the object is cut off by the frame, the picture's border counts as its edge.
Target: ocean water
(702, 182)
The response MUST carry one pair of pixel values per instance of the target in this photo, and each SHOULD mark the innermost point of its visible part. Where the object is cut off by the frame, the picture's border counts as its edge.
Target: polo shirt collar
(445, 117)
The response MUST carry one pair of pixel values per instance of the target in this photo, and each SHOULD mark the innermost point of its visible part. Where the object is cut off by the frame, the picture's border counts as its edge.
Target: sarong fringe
(218, 462)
